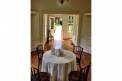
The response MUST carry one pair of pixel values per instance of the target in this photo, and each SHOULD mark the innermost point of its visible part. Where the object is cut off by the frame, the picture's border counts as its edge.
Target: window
(70, 23)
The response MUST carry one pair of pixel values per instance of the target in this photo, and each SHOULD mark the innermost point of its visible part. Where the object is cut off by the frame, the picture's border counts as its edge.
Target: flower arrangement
(57, 52)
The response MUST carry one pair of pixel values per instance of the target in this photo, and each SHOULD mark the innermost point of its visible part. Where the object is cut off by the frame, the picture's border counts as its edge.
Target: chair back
(78, 50)
(84, 72)
(74, 76)
(40, 51)
(34, 74)
(44, 76)
(39, 76)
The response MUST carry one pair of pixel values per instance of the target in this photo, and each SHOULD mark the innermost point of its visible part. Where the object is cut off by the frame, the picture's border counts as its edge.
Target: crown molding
(87, 14)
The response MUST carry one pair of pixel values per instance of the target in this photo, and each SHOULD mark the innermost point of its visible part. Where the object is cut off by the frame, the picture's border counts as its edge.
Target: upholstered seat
(81, 75)
(84, 72)
(39, 76)
(74, 76)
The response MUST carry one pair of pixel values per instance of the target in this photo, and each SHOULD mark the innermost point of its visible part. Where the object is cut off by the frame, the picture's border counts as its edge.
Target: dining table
(59, 67)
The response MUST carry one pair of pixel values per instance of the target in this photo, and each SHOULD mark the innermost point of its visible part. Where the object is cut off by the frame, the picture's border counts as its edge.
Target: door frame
(75, 39)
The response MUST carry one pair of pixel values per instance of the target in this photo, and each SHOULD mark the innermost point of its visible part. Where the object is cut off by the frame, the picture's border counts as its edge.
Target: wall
(86, 33)
(51, 6)
(35, 36)
(78, 5)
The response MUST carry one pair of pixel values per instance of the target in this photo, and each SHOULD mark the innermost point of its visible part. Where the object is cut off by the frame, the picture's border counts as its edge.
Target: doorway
(55, 27)
(62, 27)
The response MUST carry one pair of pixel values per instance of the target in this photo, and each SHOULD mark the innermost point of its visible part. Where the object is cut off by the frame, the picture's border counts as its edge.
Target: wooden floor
(66, 44)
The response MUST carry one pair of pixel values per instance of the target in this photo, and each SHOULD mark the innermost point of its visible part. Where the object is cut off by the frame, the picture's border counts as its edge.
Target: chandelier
(62, 2)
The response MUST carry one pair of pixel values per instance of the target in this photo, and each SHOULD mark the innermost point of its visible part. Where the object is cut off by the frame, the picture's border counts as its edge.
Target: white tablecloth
(59, 67)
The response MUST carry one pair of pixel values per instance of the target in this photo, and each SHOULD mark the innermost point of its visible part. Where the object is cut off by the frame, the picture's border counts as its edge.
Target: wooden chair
(78, 51)
(34, 74)
(74, 76)
(81, 75)
(39, 76)
(84, 72)
(49, 36)
(40, 52)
